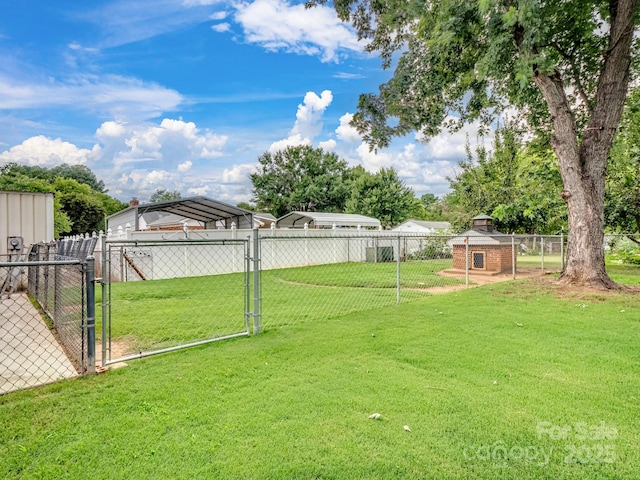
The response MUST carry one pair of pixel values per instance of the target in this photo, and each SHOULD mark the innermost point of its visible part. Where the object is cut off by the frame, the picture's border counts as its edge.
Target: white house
(421, 226)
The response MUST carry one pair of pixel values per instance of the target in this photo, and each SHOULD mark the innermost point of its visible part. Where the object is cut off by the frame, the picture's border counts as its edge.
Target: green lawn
(160, 313)
(514, 380)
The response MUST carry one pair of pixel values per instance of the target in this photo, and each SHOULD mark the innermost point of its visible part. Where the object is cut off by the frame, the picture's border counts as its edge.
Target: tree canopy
(622, 200)
(382, 195)
(309, 179)
(163, 195)
(78, 207)
(516, 183)
(300, 178)
(564, 65)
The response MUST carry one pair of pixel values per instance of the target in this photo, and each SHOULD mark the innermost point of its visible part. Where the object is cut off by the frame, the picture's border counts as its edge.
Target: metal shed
(25, 218)
(212, 213)
(326, 220)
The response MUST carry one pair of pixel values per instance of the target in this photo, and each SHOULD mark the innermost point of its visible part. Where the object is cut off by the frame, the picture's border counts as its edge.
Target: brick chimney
(134, 202)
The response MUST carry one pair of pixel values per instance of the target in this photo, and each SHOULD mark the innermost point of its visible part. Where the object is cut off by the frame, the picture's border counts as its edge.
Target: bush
(433, 248)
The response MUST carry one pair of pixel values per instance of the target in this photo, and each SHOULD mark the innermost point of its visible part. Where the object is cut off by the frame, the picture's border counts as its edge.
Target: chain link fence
(544, 252)
(159, 296)
(317, 275)
(622, 249)
(44, 314)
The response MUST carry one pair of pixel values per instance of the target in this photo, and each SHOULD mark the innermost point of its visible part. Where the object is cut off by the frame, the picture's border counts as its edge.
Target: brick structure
(490, 251)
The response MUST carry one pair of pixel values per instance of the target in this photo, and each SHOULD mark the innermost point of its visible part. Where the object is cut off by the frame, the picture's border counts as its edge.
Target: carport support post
(90, 271)
(257, 324)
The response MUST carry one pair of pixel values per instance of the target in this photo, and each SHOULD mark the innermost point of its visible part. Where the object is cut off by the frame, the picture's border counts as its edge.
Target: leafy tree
(12, 180)
(300, 178)
(78, 206)
(80, 173)
(80, 203)
(247, 206)
(162, 195)
(622, 200)
(565, 65)
(381, 195)
(519, 186)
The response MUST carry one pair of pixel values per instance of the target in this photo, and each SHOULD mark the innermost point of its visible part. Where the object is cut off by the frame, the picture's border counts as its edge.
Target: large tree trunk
(583, 164)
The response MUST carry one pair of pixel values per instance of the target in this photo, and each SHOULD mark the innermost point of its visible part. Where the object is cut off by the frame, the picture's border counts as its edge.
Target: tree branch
(576, 75)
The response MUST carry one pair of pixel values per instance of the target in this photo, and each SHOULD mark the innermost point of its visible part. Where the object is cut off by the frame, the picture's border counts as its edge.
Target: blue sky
(187, 94)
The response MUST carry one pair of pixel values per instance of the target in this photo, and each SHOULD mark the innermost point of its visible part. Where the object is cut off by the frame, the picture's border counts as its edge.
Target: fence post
(398, 273)
(542, 253)
(562, 248)
(513, 254)
(257, 324)
(247, 285)
(106, 270)
(466, 261)
(91, 313)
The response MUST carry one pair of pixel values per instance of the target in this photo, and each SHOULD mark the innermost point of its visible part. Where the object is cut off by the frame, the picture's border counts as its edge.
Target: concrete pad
(29, 353)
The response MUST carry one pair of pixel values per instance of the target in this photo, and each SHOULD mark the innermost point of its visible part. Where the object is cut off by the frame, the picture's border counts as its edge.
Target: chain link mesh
(322, 275)
(171, 294)
(544, 252)
(42, 314)
(622, 249)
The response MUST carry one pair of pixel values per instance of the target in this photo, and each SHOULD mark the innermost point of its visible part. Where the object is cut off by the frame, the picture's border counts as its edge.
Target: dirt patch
(581, 292)
(479, 280)
(119, 348)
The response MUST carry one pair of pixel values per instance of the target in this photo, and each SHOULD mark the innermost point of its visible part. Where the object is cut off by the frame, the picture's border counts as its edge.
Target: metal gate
(159, 296)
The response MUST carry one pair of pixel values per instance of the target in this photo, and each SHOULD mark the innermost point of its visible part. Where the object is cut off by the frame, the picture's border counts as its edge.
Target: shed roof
(326, 220)
(431, 225)
(202, 209)
(481, 238)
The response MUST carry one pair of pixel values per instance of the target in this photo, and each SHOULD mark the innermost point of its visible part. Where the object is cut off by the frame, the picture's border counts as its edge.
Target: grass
(197, 308)
(370, 275)
(468, 372)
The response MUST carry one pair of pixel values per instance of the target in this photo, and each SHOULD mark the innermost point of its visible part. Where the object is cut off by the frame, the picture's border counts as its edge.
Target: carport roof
(197, 208)
(323, 219)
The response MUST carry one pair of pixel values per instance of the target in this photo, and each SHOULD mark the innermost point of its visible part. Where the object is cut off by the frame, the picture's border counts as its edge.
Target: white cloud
(221, 27)
(44, 152)
(124, 21)
(291, 141)
(192, 3)
(346, 132)
(328, 145)
(185, 167)
(110, 130)
(219, 15)
(451, 146)
(120, 97)
(173, 142)
(239, 174)
(280, 26)
(199, 191)
(348, 76)
(308, 122)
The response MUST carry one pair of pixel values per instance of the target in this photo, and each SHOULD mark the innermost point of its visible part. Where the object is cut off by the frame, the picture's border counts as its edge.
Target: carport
(212, 213)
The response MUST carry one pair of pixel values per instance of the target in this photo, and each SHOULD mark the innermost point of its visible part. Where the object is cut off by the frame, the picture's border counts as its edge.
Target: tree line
(307, 179)
(81, 203)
